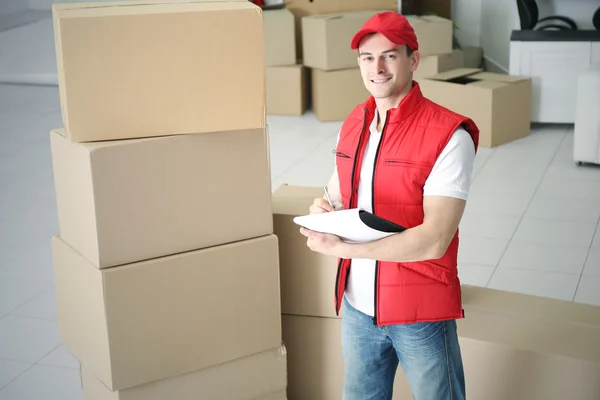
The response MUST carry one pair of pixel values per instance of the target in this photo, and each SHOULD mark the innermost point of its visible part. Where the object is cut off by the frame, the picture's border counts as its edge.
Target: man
(408, 160)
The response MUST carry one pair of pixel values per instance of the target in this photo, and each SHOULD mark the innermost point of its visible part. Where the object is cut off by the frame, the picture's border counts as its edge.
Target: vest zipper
(352, 191)
(376, 280)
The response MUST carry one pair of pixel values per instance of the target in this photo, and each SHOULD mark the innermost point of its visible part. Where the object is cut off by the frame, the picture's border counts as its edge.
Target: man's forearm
(415, 244)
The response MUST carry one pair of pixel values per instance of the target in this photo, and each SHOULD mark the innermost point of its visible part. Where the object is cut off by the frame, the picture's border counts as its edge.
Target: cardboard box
(261, 376)
(307, 277)
(441, 8)
(151, 68)
(473, 56)
(280, 37)
(433, 33)
(326, 39)
(147, 321)
(130, 200)
(315, 359)
(287, 90)
(499, 104)
(433, 65)
(513, 346)
(303, 8)
(336, 93)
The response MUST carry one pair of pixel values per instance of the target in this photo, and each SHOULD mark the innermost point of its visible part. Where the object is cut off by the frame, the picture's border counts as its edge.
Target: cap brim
(359, 36)
(364, 32)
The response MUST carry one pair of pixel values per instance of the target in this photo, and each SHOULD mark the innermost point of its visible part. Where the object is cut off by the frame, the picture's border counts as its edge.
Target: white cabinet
(554, 68)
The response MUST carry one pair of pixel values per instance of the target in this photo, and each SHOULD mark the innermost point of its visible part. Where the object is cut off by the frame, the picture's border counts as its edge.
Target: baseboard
(494, 66)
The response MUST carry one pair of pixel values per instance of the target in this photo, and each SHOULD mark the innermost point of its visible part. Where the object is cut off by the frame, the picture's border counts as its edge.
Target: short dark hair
(409, 51)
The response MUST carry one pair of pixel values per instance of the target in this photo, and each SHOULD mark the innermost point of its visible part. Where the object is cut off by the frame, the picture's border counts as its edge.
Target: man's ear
(415, 58)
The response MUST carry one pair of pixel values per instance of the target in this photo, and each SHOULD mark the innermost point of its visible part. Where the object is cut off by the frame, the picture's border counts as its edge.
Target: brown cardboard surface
(130, 200)
(307, 277)
(326, 39)
(433, 65)
(538, 352)
(287, 90)
(315, 359)
(434, 34)
(152, 320)
(499, 104)
(303, 8)
(280, 37)
(261, 376)
(149, 68)
(473, 56)
(336, 93)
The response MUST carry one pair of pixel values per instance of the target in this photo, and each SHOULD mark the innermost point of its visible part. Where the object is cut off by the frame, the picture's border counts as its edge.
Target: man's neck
(387, 103)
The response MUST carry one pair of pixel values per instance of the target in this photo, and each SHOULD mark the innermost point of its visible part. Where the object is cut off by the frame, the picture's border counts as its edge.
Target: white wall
(498, 19)
(466, 15)
(581, 11)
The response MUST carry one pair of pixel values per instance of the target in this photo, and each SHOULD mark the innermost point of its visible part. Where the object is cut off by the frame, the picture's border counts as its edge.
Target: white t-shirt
(450, 176)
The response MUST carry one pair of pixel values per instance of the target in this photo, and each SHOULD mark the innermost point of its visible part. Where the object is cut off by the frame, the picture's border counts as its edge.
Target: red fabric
(414, 135)
(394, 26)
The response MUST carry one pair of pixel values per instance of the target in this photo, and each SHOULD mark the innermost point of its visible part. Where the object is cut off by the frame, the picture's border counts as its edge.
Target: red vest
(413, 136)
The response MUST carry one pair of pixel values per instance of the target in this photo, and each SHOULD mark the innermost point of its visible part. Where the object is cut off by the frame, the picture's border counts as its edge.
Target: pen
(327, 196)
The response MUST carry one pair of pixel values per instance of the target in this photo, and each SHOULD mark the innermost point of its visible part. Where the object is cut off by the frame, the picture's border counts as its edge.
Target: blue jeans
(428, 352)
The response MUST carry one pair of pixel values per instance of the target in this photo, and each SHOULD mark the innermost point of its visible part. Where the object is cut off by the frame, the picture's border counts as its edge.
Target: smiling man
(409, 160)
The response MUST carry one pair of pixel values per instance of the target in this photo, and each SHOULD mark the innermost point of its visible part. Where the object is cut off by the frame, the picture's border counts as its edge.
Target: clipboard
(352, 226)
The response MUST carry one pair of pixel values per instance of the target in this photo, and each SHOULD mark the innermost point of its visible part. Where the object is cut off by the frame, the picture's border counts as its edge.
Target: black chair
(596, 19)
(528, 15)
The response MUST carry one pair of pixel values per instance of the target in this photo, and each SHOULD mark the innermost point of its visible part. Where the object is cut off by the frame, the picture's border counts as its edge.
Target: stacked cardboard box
(514, 346)
(166, 266)
(286, 78)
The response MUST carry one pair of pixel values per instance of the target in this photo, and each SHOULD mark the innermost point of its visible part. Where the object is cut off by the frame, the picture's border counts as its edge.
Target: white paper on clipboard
(353, 226)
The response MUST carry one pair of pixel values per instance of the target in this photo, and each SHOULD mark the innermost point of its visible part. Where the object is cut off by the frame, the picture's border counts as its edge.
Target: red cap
(394, 26)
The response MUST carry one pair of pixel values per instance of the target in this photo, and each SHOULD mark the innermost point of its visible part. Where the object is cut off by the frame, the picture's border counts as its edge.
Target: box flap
(454, 73)
(490, 76)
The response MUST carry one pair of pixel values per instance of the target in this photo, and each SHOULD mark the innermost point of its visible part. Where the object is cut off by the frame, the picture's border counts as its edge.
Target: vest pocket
(339, 154)
(407, 163)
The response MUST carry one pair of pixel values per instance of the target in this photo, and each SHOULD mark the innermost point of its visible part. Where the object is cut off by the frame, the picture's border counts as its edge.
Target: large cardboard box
(261, 376)
(433, 65)
(336, 93)
(130, 200)
(287, 90)
(499, 104)
(280, 37)
(142, 322)
(434, 34)
(307, 277)
(303, 8)
(326, 39)
(151, 68)
(514, 346)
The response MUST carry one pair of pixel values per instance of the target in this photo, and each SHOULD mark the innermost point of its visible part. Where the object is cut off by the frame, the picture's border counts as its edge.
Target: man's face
(385, 67)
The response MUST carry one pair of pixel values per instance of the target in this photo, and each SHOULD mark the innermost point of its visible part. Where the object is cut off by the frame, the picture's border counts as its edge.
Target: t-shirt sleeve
(451, 173)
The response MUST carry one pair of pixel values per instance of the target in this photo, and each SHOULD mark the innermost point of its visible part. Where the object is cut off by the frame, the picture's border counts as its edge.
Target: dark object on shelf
(596, 19)
(528, 16)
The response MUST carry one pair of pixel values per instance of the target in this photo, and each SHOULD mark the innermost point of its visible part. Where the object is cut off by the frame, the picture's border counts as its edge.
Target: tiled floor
(531, 226)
